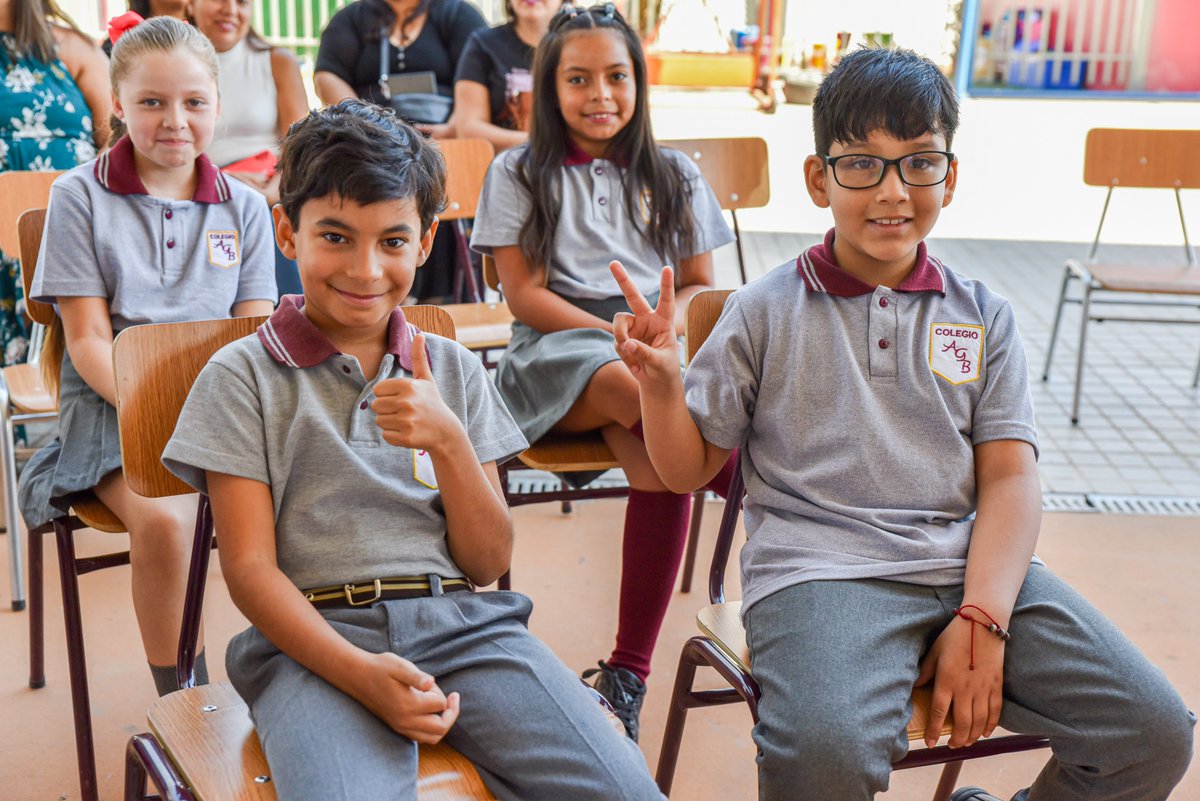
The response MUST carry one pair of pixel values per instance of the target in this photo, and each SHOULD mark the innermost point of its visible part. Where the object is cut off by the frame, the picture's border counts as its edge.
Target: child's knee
(165, 529)
(828, 755)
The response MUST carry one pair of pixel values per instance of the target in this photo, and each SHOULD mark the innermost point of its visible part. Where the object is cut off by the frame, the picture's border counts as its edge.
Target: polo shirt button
(883, 343)
(883, 302)
(363, 405)
(602, 201)
(167, 214)
(345, 369)
(599, 171)
(170, 243)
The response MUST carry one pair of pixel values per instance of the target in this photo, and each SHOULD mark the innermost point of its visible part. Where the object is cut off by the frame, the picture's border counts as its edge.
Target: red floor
(1139, 570)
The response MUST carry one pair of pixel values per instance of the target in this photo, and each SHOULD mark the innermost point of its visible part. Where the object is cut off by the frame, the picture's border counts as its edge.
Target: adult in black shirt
(493, 85)
(423, 35)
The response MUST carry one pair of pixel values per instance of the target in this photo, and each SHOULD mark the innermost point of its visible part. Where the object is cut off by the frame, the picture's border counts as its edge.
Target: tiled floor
(1139, 432)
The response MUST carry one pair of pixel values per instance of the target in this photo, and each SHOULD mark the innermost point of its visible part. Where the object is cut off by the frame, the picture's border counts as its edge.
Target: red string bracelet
(992, 626)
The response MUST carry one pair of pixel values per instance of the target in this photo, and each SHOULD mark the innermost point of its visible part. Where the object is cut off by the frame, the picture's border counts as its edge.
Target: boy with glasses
(882, 406)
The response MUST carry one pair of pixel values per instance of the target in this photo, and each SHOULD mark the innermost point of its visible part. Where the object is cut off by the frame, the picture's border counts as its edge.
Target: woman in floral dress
(54, 110)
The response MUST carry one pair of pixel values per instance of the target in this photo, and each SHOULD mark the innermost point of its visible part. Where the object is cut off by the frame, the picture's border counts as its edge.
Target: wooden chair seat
(564, 453)
(27, 391)
(211, 741)
(1173, 279)
(95, 514)
(722, 623)
(481, 326)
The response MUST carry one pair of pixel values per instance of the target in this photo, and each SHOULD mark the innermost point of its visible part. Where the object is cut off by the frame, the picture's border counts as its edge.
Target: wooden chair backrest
(1148, 159)
(21, 190)
(491, 276)
(702, 313)
(156, 366)
(735, 168)
(29, 234)
(467, 162)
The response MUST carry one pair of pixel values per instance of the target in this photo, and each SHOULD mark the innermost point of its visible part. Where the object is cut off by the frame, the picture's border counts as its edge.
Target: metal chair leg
(1196, 375)
(1062, 301)
(80, 702)
(1083, 327)
(689, 558)
(668, 755)
(948, 781)
(12, 519)
(37, 632)
(737, 238)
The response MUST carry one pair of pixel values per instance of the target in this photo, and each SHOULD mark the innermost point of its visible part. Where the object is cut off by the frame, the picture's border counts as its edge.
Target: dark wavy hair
(361, 152)
(671, 230)
(883, 89)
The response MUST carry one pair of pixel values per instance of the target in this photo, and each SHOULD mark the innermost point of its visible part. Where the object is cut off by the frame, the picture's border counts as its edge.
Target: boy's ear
(951, 183)
(816, 177)
(285, 234)
(427, 242)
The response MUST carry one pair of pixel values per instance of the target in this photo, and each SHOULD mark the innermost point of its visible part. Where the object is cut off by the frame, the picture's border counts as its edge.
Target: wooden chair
(202, 743)
(736, 169)
(1141, 159)
(467, 162)
(22, 396)
(27, 391)
(722, 642)
(484, 327)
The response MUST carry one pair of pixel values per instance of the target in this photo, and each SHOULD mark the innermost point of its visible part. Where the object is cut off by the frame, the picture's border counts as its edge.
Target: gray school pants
(527, 723)
(836, 661)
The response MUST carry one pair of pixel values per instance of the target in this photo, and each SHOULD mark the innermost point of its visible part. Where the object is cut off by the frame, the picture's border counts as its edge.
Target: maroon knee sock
(656, 529)
(720, 482)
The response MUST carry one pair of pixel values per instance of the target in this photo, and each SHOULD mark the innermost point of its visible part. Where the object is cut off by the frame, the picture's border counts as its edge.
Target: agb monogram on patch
(955, 351)
(223, 248)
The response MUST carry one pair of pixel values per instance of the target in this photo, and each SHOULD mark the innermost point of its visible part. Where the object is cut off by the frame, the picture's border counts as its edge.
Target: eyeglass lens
(917, 169)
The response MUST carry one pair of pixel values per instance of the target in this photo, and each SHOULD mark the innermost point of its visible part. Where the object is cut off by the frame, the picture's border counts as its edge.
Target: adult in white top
(262, 93)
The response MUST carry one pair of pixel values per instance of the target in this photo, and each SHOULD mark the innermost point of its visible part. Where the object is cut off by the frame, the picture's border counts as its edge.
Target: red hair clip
(118, 25)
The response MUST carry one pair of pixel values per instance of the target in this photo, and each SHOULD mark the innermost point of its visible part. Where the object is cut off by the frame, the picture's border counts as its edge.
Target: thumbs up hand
(410, 410)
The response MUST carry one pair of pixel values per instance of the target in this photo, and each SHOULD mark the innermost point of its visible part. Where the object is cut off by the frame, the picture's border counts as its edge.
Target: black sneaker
(624, 690)
(971, 794)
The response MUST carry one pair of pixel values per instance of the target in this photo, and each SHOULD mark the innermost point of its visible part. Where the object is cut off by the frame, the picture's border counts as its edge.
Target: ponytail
(53, 348)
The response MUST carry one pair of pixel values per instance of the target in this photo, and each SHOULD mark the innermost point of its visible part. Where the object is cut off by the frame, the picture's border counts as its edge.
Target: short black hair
(360, 152)
(889, 89)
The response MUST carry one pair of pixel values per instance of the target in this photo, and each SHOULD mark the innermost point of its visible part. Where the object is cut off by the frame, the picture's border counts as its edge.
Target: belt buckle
(350, 588)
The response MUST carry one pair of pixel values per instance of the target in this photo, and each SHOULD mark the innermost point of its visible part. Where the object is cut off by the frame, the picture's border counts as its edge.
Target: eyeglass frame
(831, 162)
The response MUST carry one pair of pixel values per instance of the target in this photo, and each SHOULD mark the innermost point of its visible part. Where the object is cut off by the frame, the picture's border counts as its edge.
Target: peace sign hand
(646, 338)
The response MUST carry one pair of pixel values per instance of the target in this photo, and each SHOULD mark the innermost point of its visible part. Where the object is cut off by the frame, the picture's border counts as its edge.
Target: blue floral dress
(45, 125)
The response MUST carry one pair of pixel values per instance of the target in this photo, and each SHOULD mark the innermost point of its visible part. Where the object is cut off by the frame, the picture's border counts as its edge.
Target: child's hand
(646, 339)
(407, 699)
(411, 411)
(972, 698)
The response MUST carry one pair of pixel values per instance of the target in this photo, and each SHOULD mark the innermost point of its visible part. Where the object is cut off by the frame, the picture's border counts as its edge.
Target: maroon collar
(819, 269)
(293, 341)
(575, 155)
(116, 172)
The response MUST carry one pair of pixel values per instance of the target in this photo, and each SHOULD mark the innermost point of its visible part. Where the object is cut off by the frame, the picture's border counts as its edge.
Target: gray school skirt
(86, 449)
(542, 375)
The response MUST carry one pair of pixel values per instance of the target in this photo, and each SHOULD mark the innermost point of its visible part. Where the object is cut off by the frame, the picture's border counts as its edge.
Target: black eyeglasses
(862, 171)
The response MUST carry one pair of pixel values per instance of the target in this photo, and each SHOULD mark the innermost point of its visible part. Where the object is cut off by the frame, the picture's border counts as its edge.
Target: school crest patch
(223, 248)
(955, 351)
(423, 469)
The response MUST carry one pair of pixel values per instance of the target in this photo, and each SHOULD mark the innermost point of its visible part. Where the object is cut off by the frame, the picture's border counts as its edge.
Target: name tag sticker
(223, 250)
(423, 469)
(955, 351)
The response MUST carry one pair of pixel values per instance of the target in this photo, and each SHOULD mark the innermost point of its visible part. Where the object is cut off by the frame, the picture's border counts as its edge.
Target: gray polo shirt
(593, 226)
(857, 409)
(156, 260)
(286, 408)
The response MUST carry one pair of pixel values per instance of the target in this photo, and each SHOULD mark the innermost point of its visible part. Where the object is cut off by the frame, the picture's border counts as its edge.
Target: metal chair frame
(1140, 159)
